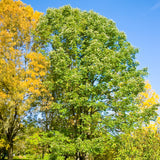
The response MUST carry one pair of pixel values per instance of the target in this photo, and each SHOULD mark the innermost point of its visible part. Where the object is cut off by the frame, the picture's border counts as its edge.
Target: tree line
(70, 88)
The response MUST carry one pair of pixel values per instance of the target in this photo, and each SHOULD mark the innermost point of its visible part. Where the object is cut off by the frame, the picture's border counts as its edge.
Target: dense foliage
(70, 88)
(21, 69)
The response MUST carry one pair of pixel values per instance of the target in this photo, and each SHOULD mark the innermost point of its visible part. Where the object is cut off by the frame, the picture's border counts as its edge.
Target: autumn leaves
(21, 69)
(79, 73)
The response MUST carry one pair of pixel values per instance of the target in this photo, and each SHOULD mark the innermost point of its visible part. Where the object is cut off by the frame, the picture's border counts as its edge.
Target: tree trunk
(10, 152)
(82, 157)
(43, 153)
(77, 155)
(4, 155)
(65, 158)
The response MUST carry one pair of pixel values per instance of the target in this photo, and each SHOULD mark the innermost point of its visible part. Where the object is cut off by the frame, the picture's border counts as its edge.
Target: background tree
(93, 78)
(21, 69)
(149, 101)
(143, 142)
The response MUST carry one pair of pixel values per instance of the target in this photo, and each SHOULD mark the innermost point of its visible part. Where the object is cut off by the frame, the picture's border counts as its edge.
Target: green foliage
(141, 144)
(93, 78)
(89, 95)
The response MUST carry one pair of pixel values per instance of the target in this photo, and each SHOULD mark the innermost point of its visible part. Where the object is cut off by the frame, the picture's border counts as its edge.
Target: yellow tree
(21, 69)
(148, 99)
(144, 142)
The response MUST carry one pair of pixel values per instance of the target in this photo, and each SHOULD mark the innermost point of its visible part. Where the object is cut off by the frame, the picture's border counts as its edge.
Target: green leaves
(141, 144)
(93, 73)
(87, 92)
(93, 77)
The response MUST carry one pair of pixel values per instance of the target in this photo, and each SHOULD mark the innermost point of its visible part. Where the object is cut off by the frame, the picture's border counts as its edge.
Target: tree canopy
(81, 74)
(21, 69)
(93, 77)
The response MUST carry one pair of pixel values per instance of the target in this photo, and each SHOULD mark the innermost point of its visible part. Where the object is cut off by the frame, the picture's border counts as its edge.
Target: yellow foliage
(148, 99)
(2, 143)
(21, 70)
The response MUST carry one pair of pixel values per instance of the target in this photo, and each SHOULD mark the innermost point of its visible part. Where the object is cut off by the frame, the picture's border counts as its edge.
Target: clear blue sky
(139, 19)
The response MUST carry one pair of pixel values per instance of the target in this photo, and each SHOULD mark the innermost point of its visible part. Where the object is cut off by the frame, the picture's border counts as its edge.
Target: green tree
(93, 78)
(141, 144)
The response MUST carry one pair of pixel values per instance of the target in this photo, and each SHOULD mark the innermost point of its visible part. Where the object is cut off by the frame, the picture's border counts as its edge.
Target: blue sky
(139, 19)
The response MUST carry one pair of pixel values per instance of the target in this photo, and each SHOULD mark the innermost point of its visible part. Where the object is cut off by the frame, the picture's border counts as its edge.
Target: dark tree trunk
(10, 151)
(4, 154)
(65, 157)
(82, 157)
(43, 153)
(3, 157)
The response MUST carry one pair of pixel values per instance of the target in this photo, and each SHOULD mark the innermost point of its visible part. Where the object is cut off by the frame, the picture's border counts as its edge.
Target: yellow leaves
(2, 95)
(158, 121)
(2, 143)
(154, 126)
(38, 58)
(148, 86)
(147, 100)
(37, 68)
(29, 10)
(35, 18)
(149, 97)
(7, 146)
(33, 90)
(19, 19)
(151, 127)
(22, 71)
(5, 37)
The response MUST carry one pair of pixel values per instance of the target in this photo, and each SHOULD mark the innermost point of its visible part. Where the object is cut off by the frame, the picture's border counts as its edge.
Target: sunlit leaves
(148, 98)
(139, 145)
(93, 75)
(21, 70)
(149, 101)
